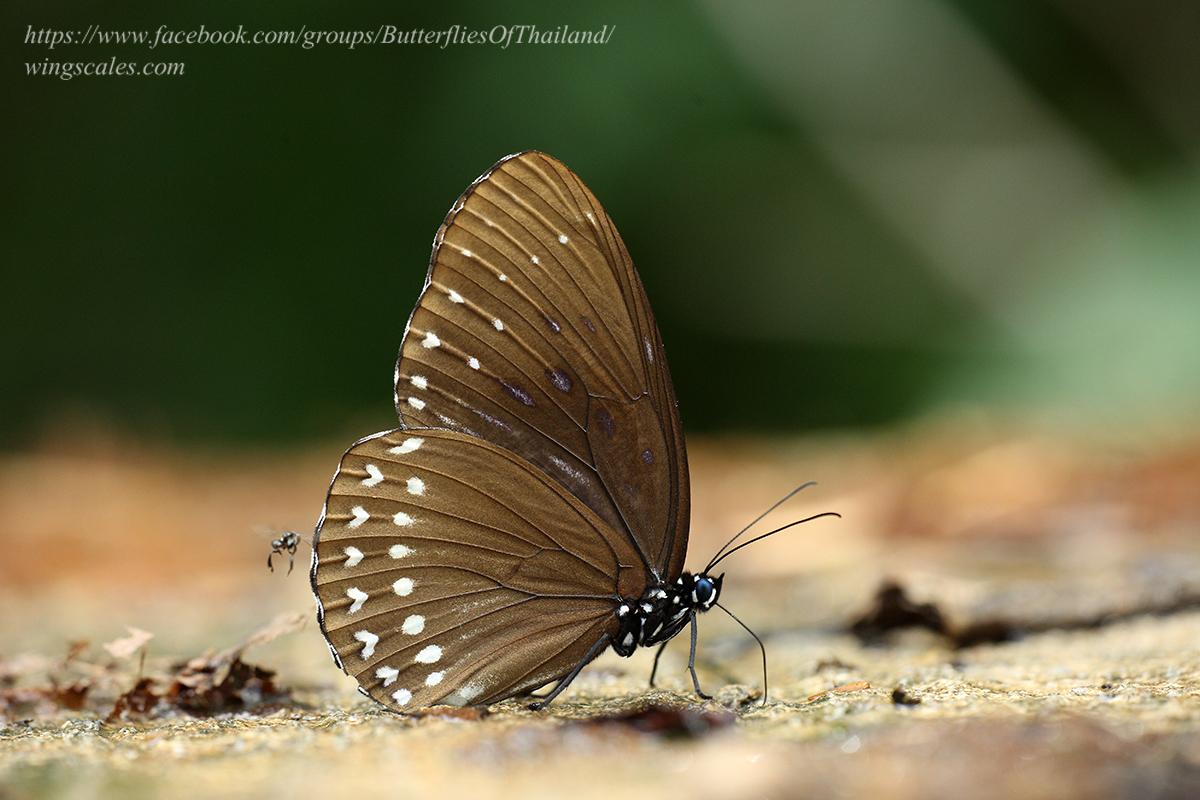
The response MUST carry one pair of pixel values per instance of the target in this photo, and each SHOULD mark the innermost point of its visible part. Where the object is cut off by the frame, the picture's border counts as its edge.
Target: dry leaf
(127, 646)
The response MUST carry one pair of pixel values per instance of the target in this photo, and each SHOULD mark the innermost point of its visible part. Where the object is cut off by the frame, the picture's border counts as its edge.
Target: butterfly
(532, 509)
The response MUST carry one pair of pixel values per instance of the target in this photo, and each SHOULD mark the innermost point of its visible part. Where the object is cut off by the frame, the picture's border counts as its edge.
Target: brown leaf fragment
(845, 688)
(75, 649)
(139, 701)
(72, 696)
(212, 686)
(283, 624)
(128, 645)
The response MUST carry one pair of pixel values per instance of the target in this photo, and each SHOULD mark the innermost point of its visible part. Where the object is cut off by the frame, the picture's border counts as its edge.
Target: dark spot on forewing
(606, 422)
(517, 393)
(560, 379)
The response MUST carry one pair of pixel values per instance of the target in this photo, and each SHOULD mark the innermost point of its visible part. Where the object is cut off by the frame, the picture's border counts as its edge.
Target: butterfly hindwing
(451, 571)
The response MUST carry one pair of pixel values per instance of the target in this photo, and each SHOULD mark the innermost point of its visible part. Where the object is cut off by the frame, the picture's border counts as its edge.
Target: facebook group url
(500, 36)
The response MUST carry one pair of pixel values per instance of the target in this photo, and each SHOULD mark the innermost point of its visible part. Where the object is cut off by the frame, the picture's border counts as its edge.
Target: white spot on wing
(467, 253)
(429, 655)
(562, 238)
(399, 551)
(403, 587)
(434, 678)
(407, 446)
(413, 624)
(416, 485)
(374, 476)
(358, 596)
(369, 641)
(497, 324)
(387, 674)
(463, 694)
(419, 381)
(473, 362)
(534, 260)
(431, 341)
(402, 519)
(503, 277)
(360, 516)
(353, 556)
(402, 696)
(416, 403)
(455, 297)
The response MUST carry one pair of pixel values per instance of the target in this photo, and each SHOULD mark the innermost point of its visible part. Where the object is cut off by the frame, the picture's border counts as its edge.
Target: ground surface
(1052, 588)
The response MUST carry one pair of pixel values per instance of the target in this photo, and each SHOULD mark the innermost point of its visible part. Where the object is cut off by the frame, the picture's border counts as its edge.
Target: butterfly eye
(704, 590)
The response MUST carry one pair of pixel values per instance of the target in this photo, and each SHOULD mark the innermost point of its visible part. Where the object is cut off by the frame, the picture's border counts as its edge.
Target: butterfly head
(705, 590)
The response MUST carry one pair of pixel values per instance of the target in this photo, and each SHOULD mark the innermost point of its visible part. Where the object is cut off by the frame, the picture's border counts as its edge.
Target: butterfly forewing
(534, 332)
(451, 571)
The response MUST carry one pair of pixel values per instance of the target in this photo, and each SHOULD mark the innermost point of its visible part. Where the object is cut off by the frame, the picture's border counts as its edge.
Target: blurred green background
(845, 213)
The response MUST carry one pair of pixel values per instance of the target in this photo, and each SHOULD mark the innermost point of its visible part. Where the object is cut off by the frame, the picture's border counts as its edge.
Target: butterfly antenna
(759, 538)
(760, 517)
(761, 647)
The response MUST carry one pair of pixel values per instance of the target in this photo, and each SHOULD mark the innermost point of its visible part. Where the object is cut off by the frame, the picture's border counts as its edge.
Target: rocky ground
(999, 613)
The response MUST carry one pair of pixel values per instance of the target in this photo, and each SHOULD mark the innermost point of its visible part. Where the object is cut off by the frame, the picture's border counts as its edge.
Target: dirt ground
(1040, 636)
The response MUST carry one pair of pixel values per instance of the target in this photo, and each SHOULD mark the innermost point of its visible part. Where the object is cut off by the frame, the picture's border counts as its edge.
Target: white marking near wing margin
(387, 674)
(562, 238)
(473, 362)
(455, 297)
(416, 403)
(497, 324)
(360, 516)
(369, 641)
(402, 696)
(434, 678)
(463, 695)
(431, 340)
(399, 551)
(403, 587)
(416, 486)
(353, 556)
(358, 596)
(413, 624)
(402, 519)
(374, 476)
(419, 381)
(407, 446)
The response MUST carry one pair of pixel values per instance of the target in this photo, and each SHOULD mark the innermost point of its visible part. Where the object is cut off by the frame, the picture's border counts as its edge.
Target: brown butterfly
(533, 507)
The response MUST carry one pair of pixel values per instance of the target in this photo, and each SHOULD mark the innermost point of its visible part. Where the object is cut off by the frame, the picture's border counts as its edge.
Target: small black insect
(287, 542)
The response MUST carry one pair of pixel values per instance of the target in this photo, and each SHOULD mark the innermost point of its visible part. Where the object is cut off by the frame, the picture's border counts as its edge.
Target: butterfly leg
(692, 664)
(565, 682)
(654, 669)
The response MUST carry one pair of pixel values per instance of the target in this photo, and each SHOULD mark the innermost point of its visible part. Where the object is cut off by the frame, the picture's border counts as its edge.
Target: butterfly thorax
(663, 610)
